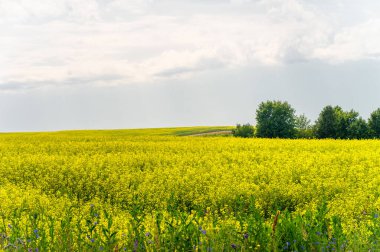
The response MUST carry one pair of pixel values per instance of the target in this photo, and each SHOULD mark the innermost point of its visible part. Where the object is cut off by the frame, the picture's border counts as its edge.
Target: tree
(303, 127)
(333, 122)
(358, 129)
(346, 119)
(275, 119)
(328, 122)
(302, 123)
(374, 123)
(245, 131)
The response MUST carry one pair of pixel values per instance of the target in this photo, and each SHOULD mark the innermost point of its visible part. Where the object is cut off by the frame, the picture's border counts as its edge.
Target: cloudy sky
(81, 64)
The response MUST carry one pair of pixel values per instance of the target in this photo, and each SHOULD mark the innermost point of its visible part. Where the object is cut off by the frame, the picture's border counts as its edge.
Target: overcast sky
(94, 64)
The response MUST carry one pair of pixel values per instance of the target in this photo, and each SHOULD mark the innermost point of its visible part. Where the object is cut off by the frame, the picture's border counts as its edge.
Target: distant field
(177, 131)
(156, 190)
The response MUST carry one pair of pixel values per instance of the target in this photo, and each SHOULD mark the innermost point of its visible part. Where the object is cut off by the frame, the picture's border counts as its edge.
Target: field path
(220, 132)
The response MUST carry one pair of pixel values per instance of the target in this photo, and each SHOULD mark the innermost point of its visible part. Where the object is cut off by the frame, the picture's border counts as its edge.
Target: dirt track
(222, 132)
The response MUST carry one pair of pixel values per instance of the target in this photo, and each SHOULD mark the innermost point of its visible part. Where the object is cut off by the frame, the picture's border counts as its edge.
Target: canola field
(162, 190)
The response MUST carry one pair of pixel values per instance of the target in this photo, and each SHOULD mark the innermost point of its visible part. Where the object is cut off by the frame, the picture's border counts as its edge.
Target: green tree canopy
(358, 129)
(302, 123)
(346, 119)
(245, 130)
(303, 127)
(333, 122)
(275, 119)
(327, 124)
(374, 123)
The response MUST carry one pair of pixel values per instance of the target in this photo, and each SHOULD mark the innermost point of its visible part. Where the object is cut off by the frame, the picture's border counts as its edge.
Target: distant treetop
(277, 119)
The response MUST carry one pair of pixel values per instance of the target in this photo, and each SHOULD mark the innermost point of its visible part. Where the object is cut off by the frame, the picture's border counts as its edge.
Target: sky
(112, 64)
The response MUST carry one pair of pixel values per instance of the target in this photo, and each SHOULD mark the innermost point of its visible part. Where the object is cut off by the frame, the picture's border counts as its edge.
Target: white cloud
(31, 11)
(67, 42)
(353, 43)
(130, 6)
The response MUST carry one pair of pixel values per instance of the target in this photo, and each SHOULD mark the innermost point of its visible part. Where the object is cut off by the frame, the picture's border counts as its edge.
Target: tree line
(277, 119)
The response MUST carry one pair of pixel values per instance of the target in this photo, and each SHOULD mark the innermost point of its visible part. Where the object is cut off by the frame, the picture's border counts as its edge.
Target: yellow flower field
(154, 190)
